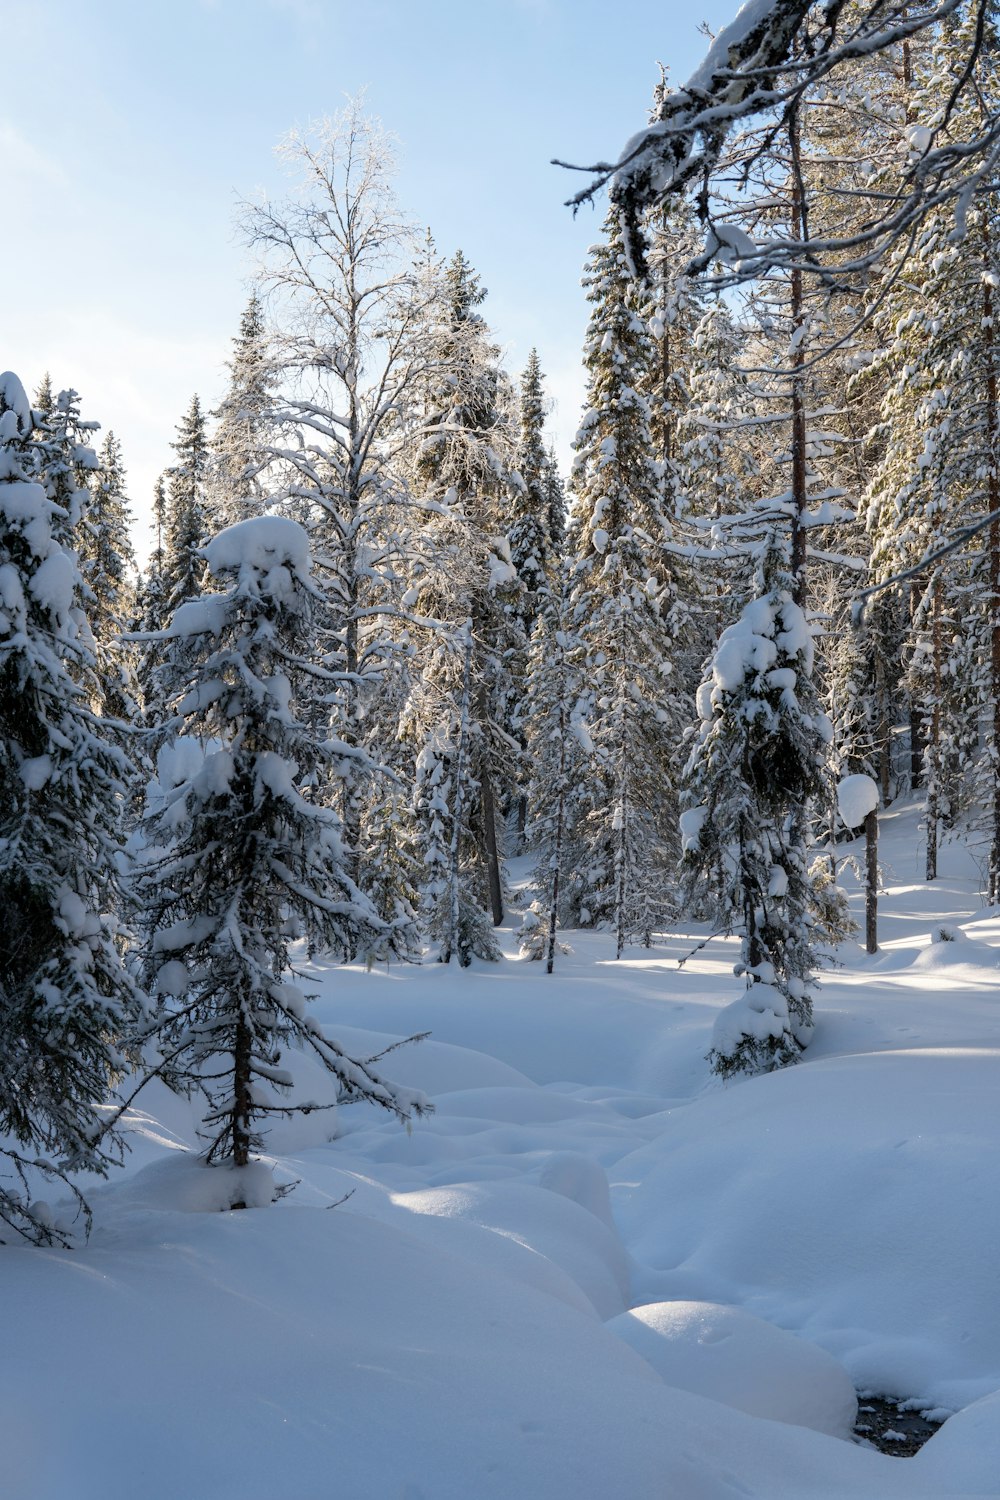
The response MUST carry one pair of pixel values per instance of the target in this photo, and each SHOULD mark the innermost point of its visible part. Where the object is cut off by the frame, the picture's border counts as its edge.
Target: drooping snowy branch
(760, 68)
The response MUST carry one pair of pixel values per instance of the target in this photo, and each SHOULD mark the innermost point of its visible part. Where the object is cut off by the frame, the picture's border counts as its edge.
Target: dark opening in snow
(885, 1423)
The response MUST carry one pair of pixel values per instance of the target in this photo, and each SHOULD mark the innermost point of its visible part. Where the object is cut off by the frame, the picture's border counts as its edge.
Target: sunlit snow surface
(458, 1326)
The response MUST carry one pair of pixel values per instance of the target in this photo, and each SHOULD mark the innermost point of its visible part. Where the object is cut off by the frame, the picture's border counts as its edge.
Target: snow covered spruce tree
(245, 425)
(447, 806)
(533, 536)
(754, 768)
(66, 1001)
(182, 572)
(187, 521)
(532, 544)
(107, 562)
(460, 715)
(150, 606)
(716, 435)
(625, 616)
(675, 307)
(239, 857)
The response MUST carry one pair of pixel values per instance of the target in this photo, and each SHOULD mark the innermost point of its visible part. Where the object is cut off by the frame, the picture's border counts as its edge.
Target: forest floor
(595, 1271)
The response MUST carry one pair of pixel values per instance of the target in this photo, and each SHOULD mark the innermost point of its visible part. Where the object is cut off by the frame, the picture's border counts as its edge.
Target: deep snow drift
(593, 1272)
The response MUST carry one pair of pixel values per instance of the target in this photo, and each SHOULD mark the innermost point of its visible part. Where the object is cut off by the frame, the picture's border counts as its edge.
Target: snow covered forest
(585, 883)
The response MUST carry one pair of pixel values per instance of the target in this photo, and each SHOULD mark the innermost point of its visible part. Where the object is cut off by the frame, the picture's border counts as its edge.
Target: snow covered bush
(65, 999)
(240, 858)
(533, 935)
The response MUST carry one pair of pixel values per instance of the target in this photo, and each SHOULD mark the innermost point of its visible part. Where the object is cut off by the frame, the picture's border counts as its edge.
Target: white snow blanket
(595, 1271)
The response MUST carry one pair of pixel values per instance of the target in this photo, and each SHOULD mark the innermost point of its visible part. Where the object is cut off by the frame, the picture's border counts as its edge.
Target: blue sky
(130, 129)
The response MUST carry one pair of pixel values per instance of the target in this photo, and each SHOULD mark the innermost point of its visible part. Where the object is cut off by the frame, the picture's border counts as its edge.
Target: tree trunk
(934, 745)
(521, 815)
(488, 808)
(560, 816)
(916, 728)
(799, 468)
(454, 904)
(620, 874)
(993, 495)
(242, 1096)
(871, 882)
(883, 733)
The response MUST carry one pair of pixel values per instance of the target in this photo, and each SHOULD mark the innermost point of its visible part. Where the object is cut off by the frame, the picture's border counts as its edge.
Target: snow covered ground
(594, 1272)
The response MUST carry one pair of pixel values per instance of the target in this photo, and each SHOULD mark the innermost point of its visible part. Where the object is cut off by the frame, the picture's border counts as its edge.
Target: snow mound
(182, 1183)
(514, 1106)
(809, 1228)
(963, 1456)
(580, 1179)
(733, 1357)
(431, 1066)
(311, 1319)
(550, 1224)
(761, 1012)
(951, 946)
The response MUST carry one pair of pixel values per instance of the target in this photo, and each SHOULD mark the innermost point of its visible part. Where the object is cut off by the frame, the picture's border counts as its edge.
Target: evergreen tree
(626, 616)
(245, 424)
(66, 1001)
(675, 308)
(462, 712)
(555, 502)
(755, 767)
(717, 437)
(44, 401)
(107, 562)
(65, 463)
(150, 606)
(187, 525)
(181, 574)
(532, 545)
(240, 855)
(455, 888)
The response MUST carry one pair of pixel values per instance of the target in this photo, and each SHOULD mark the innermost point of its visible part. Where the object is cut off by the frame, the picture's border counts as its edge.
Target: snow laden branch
(759, 69)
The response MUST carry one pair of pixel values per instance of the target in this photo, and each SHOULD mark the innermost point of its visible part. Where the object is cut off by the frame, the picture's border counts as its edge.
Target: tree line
(381, 644)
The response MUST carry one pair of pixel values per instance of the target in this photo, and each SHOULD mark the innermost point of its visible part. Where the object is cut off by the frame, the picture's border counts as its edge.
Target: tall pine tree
(65, 997)
(626, 616)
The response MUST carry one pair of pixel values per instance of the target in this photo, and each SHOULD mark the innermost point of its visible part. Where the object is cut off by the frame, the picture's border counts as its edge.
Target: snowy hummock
(857, 796)
(733, 1357)
(760, 1013)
